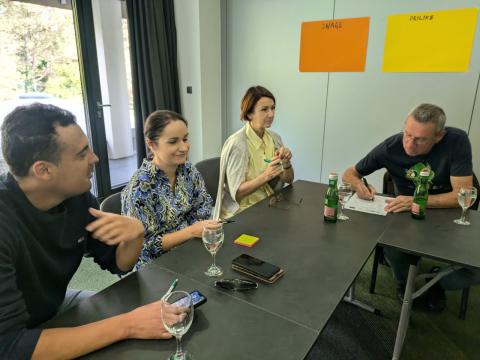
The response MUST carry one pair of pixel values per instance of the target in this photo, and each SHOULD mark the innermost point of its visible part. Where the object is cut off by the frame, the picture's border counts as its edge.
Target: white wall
(198, 26)
(475, 135)
(262, 49)
(210, 73)
(188, 50)
(352, 112)
(377, 102)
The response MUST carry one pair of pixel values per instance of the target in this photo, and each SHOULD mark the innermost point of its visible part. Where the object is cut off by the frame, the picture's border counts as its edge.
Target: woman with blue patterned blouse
(167, 193)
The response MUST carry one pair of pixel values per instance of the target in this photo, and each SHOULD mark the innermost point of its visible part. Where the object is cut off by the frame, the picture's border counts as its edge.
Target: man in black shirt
(48, 221)
(447, 151)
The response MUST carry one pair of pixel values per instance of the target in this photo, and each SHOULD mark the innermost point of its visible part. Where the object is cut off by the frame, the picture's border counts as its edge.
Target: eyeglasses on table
(236, 284)
(279, 201)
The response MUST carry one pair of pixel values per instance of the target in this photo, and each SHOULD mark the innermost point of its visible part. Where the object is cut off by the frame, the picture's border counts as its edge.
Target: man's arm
(124, 231)
(65, 343)
(446, 200)
(353, 177)
(449, 200)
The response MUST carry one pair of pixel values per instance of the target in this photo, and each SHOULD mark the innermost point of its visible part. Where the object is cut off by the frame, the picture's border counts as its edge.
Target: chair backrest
(210, 170)
(112, 204)
(388, 185)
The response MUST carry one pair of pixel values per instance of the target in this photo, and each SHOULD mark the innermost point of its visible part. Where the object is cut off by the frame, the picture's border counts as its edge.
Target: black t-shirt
(39, 253)
(451, 156)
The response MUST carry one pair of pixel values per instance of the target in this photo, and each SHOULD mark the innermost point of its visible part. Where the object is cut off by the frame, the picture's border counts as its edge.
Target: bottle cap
(333, 176)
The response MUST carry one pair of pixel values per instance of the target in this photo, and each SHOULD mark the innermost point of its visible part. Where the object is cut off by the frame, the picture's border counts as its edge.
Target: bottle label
(329, 211)
(415, 208)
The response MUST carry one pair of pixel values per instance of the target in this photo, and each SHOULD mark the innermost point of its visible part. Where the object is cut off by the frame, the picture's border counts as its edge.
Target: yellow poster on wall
(436, 41)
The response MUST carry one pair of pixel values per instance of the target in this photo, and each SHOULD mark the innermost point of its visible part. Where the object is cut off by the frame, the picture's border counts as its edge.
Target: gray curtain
(153, 49)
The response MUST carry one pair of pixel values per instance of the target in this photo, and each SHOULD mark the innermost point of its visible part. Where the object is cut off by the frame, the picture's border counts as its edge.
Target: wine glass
(345, 192)
(212, 237)
(175, 323)
(466, 196)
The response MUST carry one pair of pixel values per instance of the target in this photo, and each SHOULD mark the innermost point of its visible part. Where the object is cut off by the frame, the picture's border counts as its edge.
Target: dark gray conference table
(320, 260)
(435, 237)
(279, 321)
(224, 327)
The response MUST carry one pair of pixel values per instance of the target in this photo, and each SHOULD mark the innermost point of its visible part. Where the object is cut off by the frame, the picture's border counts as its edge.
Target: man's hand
(145, 322)
(353, 177)
(363, 192)
(112, 229)
(399, 204)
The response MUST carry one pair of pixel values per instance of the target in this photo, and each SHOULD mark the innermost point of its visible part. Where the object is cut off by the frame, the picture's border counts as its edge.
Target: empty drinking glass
(178, 322)
(345, 192)
(212, 238)
(466, 196)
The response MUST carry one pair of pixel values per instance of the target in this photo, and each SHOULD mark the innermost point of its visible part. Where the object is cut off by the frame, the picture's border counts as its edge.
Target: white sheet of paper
(377, 206)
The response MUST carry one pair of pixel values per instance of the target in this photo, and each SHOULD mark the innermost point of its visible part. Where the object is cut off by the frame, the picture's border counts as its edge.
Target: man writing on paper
(48, 221)
(447, 150)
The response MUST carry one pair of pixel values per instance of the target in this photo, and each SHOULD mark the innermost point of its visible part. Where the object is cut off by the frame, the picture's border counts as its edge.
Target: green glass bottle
(420, 196)
(331, 199)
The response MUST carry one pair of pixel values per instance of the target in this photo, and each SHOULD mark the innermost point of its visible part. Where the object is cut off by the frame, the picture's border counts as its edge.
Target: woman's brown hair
(251, 98)
(157, 121)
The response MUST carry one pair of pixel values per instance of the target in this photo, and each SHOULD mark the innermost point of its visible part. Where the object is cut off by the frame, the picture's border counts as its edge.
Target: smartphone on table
(197, 298)
(257, 268)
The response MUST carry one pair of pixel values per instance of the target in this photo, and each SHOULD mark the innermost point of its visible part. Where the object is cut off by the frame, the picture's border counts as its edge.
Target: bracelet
(287, 167)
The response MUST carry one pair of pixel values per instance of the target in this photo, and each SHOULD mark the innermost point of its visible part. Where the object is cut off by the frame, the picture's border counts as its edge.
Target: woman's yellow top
(259, 149)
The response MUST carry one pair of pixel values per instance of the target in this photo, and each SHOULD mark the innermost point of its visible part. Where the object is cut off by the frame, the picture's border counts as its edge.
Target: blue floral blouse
(150, 198)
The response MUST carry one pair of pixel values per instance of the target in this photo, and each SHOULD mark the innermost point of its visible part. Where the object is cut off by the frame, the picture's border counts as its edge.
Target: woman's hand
(284, 154)
(273, 169)
(196, 229)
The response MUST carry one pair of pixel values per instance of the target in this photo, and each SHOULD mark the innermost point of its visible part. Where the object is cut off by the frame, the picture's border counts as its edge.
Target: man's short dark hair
(430, 113)
(29, 135)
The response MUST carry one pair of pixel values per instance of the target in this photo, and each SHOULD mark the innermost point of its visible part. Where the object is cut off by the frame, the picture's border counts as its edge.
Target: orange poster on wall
(334, 45)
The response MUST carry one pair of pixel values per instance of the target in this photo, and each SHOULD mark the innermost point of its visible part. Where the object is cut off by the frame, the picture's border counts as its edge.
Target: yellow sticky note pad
(435, 41)
(246, 240)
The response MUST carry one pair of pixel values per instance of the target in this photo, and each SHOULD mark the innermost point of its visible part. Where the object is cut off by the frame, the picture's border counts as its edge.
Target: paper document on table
(377, 206)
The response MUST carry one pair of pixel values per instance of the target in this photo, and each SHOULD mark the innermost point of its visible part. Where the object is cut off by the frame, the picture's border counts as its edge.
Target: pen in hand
(226, 221)
(268, 161)
(368, 187)
(170, 289)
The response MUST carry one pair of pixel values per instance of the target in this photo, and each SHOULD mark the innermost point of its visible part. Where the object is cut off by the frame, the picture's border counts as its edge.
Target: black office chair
(389, 189)
(112, 204)
(210, 170)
